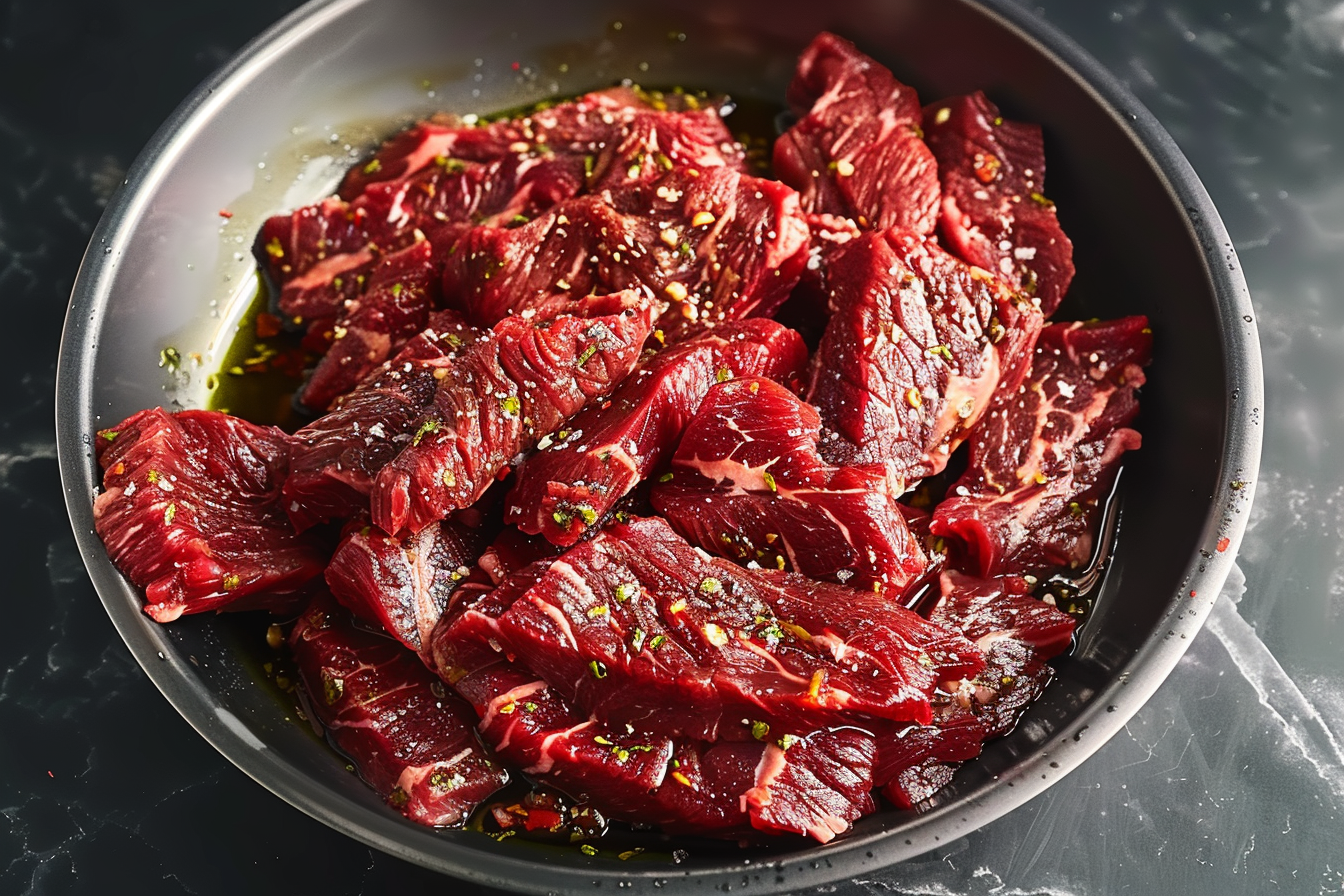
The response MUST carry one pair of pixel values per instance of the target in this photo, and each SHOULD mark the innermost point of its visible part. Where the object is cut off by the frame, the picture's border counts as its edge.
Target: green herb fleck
(769, 481)
(598, 670)
(711, 585)
(170, 358)
(760, 730)
(510, 405)
(587, 354)
(625, 591)
(168, 513)
(373, 166)
(426, 428)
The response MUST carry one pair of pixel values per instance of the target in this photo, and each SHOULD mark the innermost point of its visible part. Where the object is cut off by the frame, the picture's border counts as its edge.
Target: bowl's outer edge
(174, 678)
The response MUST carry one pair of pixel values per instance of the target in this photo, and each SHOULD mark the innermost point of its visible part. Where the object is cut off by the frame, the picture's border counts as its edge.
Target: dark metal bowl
(165, 269)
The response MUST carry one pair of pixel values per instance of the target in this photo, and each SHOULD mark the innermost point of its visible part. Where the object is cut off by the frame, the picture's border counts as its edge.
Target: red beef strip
(718, 245)
(190, 512)
(917, 345)
(856, 150)
(503, 393)
(412, 740)
(1018, 635)
(394, 307)
(338, 455)
(1046, 455)
(403, 585)
(747, 484)
(994, 211)
(578, 475)
(639, 628)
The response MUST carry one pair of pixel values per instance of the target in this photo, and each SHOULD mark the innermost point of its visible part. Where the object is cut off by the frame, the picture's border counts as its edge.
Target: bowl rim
(1110, 709)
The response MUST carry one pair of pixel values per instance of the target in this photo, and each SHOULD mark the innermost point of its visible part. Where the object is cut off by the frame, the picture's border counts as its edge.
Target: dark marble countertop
(1231, 779)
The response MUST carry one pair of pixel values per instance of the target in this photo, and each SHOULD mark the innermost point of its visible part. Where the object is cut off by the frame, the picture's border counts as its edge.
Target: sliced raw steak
(817, 787)
(403, 584)
(190, 512)
(917, 345)
(1017, 634)
(411, 739)
(523, 380)
(639, 628)
(994, 212)
(856, 150)
(580, 473)
(394, 306)
(338, 455)
(719, 246)
(1045, 456)
(747, 484)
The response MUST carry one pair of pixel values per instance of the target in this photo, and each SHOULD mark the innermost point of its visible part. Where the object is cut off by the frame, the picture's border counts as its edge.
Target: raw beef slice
(502, 394)
(747, 483)
(856, 150)
(412, 740)
(577, 476)
(994, 211)
(639, 628)
(190, 512)
(1046, 455)
(917, 345)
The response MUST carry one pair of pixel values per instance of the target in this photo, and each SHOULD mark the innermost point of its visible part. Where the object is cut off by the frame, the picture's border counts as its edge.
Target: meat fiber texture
(1018, 634)
(502, 394)
(994, 211)
(747, 483)
(1046, 455)
(190, 512)
(394, 307)
(411, 739)
(403, 585)
(918, 344)
(638, 628)
(718, 245)
(337, 456)
(816, 785)
(574, 480)
(856, 150)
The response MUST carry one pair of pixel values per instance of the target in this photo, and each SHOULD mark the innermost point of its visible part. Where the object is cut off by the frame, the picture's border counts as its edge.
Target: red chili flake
(986, 167)
(268, 325)
(516, 66)
(1192, 593)
(503, 474)
(49, 774)
(1223, 543)
(542, 819)
(225, 213)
